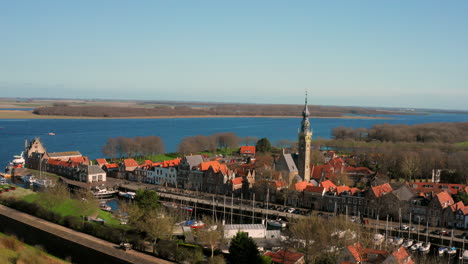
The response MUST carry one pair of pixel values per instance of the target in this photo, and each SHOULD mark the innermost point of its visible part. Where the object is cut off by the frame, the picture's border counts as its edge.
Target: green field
(462, 144)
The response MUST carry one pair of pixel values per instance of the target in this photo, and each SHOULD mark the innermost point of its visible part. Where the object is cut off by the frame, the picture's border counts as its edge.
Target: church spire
(305, 124)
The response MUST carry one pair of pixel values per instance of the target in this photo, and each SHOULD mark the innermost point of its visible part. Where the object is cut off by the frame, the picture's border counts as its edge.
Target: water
(89, 135)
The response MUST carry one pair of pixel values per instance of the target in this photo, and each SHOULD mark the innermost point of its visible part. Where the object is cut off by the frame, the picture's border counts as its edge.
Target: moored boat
(101, 192)
(425, 247)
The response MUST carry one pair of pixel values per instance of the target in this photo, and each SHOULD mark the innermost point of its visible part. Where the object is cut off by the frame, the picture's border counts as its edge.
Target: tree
(110, 148)
(147, 200)
(243, 249)
(263, 145)
(210, 235)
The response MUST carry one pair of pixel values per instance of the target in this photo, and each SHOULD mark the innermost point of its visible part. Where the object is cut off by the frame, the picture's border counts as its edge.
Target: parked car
(436, 232)
(290, 210)
(412, 228)
(404, 227)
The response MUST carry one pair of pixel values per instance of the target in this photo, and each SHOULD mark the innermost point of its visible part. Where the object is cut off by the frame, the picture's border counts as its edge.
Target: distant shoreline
(20, 114)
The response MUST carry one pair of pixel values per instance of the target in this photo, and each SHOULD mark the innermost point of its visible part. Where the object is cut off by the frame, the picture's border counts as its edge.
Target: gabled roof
(130, 163)
(63, 154)
(171, 163)
(288, 162)
(380, 190)
(314, 189)
(404, 193)
(215, 165)
(401, 256)
(285, 257)
(111, 165)
(300, 186)
(361, 254)
(237, 180)
(194, 160)
(444, 199)
(328, 185)
(101, 161)
(343, 188)
(429, 187)
(81, 159)
(247, 150)
(95, 169)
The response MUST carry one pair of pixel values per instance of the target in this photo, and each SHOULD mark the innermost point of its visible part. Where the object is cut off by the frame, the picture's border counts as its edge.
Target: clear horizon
(397, 54)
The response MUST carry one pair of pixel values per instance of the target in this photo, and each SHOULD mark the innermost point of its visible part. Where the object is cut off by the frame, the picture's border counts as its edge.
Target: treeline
(213, 110)
(404, 160)
(138, 146)
(431, 132)
(209, 143)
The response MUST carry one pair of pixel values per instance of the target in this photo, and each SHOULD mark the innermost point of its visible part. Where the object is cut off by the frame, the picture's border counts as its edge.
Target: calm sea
(88, 136)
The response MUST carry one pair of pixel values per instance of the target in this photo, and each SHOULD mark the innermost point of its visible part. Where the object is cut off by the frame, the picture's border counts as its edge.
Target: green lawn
(462, 144)
(110, 220)
(64, 208)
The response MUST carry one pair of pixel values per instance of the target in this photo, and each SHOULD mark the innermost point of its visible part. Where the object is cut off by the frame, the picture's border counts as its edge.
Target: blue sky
(368, 53)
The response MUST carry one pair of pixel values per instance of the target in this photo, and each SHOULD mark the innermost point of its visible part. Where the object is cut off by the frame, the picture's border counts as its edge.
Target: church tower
(305, 137)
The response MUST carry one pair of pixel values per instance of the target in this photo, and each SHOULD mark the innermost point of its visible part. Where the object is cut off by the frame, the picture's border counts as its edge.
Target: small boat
(43, 183)
(465, 255)
(390, 240)
(425, 247)
(105, 207)
(30, 179)
(51, 134)
(101, 192)
(442, 250)
(416, 246)
(398, 241)
(378, 239)
(3, 181)
(17, 162)
(452, 250)
(277, 223)
(197, 224)
(408, 243)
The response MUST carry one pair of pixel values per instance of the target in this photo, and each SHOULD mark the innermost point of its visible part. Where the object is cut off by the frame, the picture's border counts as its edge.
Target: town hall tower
(305, 137)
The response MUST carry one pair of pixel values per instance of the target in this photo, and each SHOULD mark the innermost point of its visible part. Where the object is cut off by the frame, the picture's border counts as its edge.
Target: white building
(162, 176)
(253, 230)
(91, 173)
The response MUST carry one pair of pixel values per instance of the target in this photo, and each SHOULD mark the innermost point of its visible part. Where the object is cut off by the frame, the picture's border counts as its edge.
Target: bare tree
(210, 235)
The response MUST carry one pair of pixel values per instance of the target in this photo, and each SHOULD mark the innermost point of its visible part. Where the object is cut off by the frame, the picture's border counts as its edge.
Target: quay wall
(66, 243)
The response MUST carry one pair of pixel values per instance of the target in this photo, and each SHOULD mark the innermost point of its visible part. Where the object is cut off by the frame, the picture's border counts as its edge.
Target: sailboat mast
(253, 209)
(232, 205)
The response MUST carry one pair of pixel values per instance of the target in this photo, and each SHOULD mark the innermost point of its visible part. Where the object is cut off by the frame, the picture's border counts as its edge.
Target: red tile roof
(429, 187)
(343, 188)
(300, 186)
(111, 165)
(361, 254)
(328, 185)
(237, 180)
(130, 163)
(402, 257)
(247, 150)
(314, 189)
(215, 165)
(101, 161)
(445, 199)
(171, 163)
(79, 159)
(382, 189)
(285, 257)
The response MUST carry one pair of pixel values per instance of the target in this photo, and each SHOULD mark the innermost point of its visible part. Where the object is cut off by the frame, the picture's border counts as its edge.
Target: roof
(300, 186)
(111, 165)
(361, 254)
(284, 256)
(401, 256)
(289, 164)
(63, 163)
(237, 180)
(194, 160)
(130, 163)
(380, 190)
(343, 188)
(244, 227)
(445, 199)
(428, 187)
(101, 161)
(63, 154)
(315, 189)
(171, 163)
(215, 165)
(95, 169)
(328, 185)
(247, 150)
(403, 193)
(81, 159)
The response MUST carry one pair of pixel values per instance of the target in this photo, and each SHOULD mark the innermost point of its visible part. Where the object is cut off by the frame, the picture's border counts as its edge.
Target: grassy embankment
(462, 144)
(70, 207)
(14, 251)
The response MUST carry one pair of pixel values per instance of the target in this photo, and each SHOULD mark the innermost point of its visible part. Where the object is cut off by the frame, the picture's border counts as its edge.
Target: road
(85, 240)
